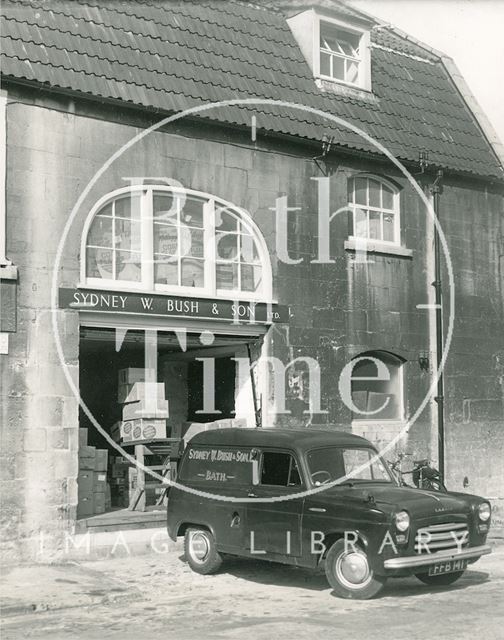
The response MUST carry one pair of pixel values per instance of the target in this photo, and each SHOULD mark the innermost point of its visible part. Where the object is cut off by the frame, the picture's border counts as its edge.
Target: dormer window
(339, 54)
(337, 50)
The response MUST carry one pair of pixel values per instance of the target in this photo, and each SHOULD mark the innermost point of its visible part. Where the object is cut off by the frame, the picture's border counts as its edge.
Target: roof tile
(170, 55)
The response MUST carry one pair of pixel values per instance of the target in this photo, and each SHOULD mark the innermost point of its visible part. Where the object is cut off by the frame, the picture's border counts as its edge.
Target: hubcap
(352, 570)
(198, 546)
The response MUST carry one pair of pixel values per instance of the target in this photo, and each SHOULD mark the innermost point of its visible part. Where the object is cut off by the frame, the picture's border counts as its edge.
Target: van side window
(280, 469)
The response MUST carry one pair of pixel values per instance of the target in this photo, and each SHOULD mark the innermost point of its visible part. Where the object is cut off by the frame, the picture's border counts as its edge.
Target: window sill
(376, 247)
(341, 88)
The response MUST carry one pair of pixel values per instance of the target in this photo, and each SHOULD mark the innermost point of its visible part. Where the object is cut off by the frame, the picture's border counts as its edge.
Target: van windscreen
(230, 465)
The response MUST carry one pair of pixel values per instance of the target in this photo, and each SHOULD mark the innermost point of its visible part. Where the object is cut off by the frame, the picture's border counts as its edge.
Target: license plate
(447, 567)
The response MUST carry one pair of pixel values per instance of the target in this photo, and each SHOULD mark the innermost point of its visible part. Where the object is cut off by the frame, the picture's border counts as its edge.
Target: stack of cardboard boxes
(93, 491)
(118, 480)
(144, 408)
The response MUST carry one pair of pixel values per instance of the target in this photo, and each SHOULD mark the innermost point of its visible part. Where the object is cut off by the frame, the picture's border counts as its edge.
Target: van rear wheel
(349, 574)
(201, 551)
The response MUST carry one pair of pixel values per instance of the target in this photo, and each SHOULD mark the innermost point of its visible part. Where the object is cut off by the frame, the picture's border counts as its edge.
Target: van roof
(301, 439)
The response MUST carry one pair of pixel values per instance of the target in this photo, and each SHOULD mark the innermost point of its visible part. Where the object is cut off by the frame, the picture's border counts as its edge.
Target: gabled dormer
(336, 46)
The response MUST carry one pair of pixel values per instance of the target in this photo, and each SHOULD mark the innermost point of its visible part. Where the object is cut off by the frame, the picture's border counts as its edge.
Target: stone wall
(338, 310)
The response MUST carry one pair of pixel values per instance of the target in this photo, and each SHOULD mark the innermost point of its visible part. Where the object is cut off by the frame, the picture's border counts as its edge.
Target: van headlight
(484, 512)
(402, 520)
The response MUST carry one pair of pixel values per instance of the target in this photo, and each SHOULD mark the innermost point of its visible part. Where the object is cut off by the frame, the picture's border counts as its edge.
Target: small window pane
(360, 190)
(388, 197)
(338, 70)
(374, 193)
(249, 251)
(360, 226)
(165, 269)
(127, 235)
(128, 266)
(99, 263)
(128, 207)
(165, 239)
(250, 277)
(374, 225)
(225, 221)
(197, 247)
(227, 275)
(165, 207)
(193, 273)
(388, 227)
(105, 211)
(192, 213)
(352, 72)
(100, 234)
(227, 246)
(325, 64)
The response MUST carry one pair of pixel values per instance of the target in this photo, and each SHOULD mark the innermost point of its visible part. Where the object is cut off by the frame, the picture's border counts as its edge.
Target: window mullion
(179, 242)
(210, 249)
(113, 243)
(147, 238)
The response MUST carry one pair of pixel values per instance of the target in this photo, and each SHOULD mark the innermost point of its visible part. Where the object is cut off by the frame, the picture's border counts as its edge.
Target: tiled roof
(170, 56)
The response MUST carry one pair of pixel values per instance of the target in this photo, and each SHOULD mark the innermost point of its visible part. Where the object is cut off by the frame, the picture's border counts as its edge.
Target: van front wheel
(201, 552)
(349, 574)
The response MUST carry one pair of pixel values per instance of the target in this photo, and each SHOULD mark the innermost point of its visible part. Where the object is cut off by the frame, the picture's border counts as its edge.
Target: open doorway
(110, 370)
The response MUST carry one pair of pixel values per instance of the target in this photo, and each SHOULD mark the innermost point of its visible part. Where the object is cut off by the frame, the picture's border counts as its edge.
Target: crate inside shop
(92, 478)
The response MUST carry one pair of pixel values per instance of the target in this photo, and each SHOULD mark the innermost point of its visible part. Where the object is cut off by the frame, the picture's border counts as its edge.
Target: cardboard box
(143, 429)
(101, 458)
(119, 468)
(83, 436)
(85, 482)
(99, 503)
(155, 409)
(138, 391)
(99, 481)
(131, 375)
(87, 457)
(85, 506)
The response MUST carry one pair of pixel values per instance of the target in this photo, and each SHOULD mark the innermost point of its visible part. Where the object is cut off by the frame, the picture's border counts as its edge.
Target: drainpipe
(436, 190)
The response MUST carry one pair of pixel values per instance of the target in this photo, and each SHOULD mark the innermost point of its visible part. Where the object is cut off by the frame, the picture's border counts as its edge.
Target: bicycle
(424, 476)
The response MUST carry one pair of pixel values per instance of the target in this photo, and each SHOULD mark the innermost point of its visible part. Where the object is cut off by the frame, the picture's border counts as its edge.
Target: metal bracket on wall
(320, 160)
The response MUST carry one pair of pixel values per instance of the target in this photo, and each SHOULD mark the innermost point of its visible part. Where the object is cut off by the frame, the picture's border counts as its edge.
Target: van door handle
(317, 509)
(251, 494)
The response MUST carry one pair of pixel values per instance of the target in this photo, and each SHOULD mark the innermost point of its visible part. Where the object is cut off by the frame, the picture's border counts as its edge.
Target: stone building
(124, 216)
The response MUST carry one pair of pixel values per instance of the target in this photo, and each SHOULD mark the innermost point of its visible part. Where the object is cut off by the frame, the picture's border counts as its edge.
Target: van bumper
(411, 562)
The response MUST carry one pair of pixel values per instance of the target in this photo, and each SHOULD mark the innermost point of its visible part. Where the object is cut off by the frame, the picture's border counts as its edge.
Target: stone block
(57, 438)
(66, 464)
(35, 440)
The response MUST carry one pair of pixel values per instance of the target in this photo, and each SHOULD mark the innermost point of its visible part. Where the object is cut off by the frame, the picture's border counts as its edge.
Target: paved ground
(158, 596)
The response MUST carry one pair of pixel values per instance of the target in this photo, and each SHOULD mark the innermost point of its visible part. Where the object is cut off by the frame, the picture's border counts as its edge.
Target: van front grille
(442, 537)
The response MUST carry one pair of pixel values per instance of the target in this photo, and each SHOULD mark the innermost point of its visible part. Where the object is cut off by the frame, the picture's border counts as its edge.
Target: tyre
(200, 551)
(349, 574)
(440, 581)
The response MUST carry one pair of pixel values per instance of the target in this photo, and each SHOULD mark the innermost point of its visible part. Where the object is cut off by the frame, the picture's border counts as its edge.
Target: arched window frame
(395, 210)
(382, 354)
(147, 283)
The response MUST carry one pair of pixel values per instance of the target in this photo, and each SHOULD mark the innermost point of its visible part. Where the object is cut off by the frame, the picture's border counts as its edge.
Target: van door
(225, 472)
(274, 526)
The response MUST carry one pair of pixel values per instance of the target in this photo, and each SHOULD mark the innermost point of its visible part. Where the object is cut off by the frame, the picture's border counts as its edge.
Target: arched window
(374, 205)
(171, 239)
(377, 386)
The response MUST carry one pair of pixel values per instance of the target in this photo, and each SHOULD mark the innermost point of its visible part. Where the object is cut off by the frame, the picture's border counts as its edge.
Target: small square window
(340, 57)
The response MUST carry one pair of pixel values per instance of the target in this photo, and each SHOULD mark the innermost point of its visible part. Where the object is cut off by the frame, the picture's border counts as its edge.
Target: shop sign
(171, 306)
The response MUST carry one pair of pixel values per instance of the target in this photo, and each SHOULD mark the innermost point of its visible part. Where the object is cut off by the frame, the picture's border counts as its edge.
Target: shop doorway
(109, 370)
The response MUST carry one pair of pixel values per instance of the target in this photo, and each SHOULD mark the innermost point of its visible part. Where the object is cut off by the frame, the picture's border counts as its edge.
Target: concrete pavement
(158, 595)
